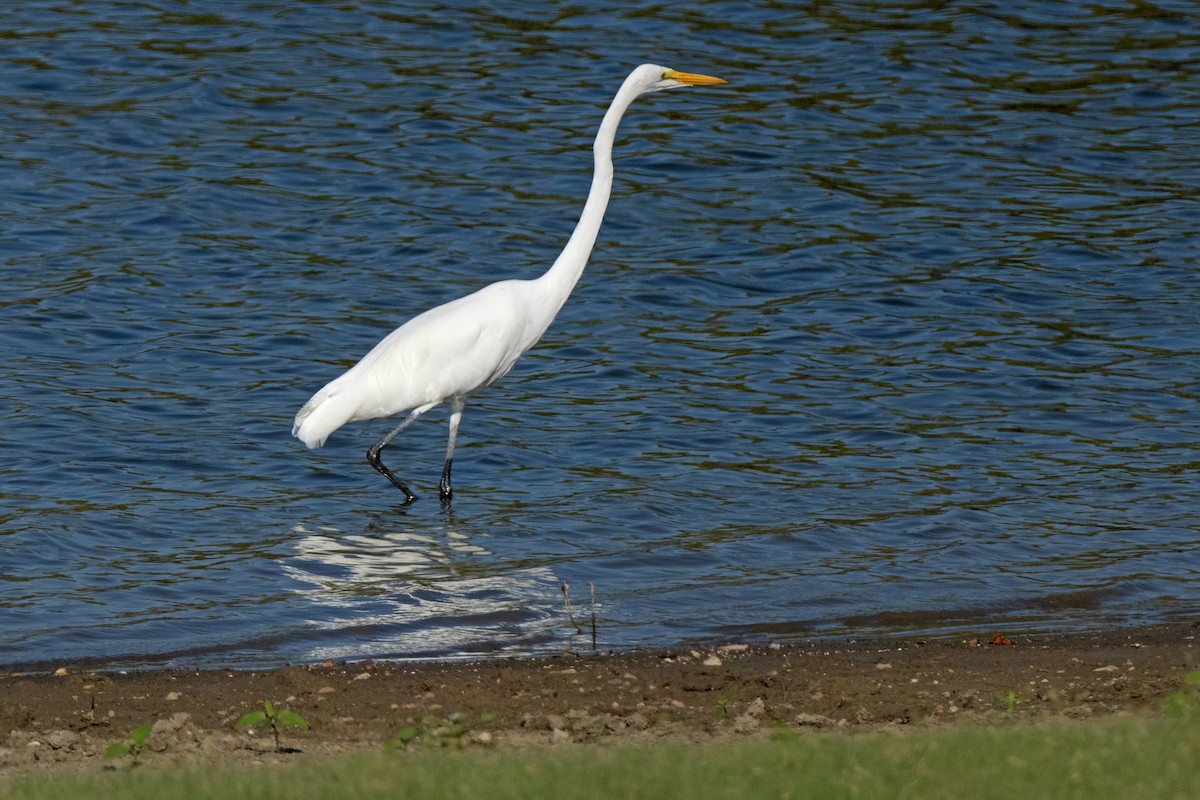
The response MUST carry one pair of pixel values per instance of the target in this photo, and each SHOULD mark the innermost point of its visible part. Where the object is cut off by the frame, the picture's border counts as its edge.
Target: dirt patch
(68, 720)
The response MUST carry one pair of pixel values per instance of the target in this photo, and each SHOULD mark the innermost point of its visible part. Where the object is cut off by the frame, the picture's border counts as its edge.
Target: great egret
(450, 352)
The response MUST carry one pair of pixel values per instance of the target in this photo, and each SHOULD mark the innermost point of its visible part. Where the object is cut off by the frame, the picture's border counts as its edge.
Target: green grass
(1118, 758)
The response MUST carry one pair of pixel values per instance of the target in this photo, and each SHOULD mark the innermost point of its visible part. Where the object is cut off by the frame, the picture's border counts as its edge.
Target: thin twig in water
(592, 589)
(566, 588)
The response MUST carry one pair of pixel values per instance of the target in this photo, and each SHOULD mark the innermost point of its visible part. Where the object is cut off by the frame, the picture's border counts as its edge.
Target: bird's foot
(408, 495)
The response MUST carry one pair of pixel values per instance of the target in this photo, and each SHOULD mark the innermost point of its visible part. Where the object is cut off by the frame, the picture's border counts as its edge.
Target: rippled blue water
(895, 333)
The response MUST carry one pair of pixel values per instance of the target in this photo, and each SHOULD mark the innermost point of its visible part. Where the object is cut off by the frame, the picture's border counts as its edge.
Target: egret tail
(328, 410)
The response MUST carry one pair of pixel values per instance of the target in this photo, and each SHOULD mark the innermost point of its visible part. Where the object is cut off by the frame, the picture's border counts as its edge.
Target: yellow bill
(692, 79)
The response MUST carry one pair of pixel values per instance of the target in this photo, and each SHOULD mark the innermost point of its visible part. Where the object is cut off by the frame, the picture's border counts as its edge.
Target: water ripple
(894, 333)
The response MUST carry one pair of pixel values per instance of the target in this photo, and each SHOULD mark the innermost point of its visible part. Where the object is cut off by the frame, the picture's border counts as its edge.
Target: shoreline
(689, 694)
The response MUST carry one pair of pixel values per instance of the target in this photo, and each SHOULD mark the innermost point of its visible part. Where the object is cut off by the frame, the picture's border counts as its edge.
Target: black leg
(373, 453)
(445, 490)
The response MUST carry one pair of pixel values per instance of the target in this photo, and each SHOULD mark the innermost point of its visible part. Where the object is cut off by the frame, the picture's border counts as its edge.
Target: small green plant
(403, 738)
(1187, 700)
(452, 731)
(267, 716)
(721, 708)
(1010, 699)
(133, 744)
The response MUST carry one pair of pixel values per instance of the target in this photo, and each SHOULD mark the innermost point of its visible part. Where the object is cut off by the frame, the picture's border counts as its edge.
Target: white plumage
(453, 351)
(473, 340)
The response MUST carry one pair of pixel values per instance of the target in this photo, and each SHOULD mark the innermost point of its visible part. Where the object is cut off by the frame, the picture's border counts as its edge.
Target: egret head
(653, 78)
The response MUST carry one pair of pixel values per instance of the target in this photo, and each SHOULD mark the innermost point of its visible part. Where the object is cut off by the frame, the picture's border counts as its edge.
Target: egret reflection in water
(400, 590)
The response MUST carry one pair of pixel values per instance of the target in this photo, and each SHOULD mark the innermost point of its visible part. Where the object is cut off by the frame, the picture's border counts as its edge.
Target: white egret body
(450, 352)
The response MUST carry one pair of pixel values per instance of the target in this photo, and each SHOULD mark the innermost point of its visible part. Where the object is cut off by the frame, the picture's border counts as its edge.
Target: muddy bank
(66, 720)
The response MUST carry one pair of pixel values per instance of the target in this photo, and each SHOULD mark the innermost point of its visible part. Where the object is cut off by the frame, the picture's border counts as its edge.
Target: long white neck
(560, 279)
